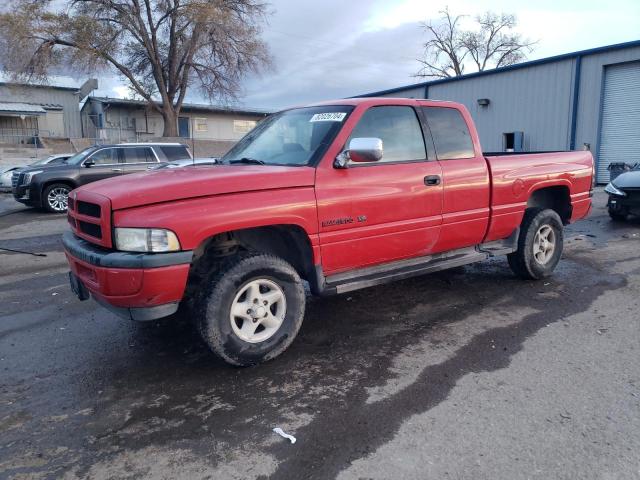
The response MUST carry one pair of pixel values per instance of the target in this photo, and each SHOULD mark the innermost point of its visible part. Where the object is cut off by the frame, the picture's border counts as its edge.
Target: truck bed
(515, 176)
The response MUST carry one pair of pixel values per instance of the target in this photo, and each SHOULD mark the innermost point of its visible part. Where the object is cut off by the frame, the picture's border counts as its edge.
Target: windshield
(80, 156)
(294, 137)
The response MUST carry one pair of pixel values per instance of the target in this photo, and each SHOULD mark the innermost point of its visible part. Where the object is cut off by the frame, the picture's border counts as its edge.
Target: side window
(106, 156)
(399, 129)
(175, 152)
(138, 155)
(450, 133)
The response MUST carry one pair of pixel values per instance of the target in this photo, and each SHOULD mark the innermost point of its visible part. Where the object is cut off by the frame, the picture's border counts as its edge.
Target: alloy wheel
(58, 199)
(258, 310)
(544, 244)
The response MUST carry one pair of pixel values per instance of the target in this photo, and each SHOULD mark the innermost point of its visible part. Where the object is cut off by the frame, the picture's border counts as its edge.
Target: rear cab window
(399, 129)
(450, 133)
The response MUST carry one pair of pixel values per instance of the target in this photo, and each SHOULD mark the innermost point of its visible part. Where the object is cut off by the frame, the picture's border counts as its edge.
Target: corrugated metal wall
(537, 100)
(42, 95)
(591, 92)
(534, 100)
(620, 133)
(417, 92)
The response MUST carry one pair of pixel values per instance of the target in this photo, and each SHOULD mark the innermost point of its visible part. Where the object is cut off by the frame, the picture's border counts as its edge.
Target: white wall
(219, 126)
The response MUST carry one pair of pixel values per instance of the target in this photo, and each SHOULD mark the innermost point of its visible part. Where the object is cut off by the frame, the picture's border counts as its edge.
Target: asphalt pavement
(465, 374)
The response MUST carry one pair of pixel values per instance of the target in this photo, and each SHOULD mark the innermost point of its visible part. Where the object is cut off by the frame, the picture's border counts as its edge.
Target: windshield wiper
(247, 160)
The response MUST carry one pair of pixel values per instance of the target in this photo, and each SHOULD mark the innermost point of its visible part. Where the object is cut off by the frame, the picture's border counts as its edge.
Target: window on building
(243, 126)
(450, 133)
(398, 128)
(201, 124)
(513, 141)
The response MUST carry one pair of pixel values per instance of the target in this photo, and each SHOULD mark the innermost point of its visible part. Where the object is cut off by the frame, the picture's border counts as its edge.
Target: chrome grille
(15, 179)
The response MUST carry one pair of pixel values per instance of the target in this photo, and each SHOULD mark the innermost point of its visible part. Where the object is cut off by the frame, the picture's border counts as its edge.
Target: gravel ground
(469, 373)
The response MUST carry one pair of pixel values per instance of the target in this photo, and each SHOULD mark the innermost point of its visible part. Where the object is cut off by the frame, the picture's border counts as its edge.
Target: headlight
(146, 240)
(29, 176)
(612, 190)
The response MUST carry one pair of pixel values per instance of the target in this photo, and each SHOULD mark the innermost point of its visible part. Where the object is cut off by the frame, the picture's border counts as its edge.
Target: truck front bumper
(137, 286)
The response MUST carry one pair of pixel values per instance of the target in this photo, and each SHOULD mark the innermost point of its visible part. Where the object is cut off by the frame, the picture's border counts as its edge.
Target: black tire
(523, 262)
(52, 188)
(213, 308)
(618, 215)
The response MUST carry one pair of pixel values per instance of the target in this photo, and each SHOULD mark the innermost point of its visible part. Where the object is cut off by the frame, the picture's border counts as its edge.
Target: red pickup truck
(341, 195)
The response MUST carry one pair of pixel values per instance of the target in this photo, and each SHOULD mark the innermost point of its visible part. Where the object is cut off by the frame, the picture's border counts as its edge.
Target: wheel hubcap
(258, 310)
(58, 199)
(544, 244)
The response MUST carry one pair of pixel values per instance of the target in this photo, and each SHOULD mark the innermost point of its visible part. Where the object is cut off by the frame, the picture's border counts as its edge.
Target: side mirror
(361, 150)
(89, 163)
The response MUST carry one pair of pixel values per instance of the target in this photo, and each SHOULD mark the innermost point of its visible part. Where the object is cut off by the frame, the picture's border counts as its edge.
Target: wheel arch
(64, 181)
(287, 241)
(554, 197)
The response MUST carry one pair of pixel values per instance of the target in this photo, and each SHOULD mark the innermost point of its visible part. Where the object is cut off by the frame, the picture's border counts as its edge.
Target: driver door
(378, 212)
(106, 164)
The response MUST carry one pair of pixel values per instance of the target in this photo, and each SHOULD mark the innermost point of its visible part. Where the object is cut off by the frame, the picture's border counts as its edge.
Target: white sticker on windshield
(328, 117)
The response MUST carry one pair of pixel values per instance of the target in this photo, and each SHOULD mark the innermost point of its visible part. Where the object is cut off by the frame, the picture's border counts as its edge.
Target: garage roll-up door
(620, 134)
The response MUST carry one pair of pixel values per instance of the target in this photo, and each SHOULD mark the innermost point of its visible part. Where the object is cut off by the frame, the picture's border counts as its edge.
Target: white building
(122, 120)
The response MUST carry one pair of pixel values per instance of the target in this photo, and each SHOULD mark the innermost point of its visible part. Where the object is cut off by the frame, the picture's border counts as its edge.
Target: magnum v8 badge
(342, 221)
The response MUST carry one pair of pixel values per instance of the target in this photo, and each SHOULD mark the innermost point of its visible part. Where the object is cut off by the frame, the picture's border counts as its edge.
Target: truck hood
(167, 185)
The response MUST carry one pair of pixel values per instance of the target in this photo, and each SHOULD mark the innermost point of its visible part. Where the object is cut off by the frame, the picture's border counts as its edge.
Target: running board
(371, 276)
(399, 270)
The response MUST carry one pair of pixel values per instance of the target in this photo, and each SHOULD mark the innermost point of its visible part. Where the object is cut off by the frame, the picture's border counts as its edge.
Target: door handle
(431, 180)
(116, 169)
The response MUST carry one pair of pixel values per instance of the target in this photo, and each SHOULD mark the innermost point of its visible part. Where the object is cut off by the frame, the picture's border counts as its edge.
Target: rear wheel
(539, 245)
(252, 309)
(55, 198)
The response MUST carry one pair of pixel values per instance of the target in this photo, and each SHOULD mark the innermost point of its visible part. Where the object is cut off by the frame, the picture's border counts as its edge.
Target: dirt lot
(469, 373)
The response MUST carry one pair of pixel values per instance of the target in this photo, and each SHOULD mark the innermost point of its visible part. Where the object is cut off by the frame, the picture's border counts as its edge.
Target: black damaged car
(624, 195)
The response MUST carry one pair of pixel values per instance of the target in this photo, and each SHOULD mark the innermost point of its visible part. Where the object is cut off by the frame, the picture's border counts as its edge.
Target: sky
(339, 48)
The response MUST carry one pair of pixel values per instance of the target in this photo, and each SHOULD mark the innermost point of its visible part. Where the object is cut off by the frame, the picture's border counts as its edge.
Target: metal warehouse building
(27, 110)
(587, 99)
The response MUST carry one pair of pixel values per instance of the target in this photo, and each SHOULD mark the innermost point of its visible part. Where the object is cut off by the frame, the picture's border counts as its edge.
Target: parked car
(343, 195)
(624, 195)
(49, 187)
(193, 162)
(7, 172)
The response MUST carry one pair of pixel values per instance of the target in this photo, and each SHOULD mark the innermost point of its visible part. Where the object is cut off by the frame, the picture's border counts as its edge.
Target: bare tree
(493, 44)
(162, 48)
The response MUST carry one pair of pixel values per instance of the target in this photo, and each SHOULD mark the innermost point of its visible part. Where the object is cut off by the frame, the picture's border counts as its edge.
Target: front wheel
(540, 244)
(55, 198)
(252, 309)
